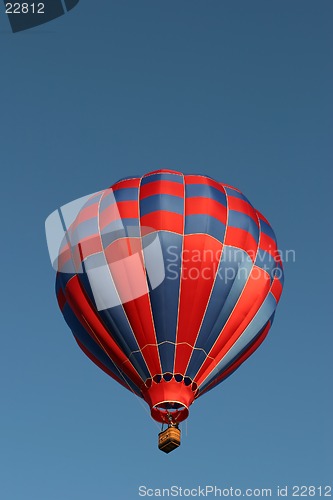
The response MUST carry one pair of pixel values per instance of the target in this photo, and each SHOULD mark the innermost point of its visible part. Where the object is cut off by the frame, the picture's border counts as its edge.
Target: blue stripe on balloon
(206, 224)
(119, 195)
(266, 228)
(266, 262)
(162, 177)
(167, 355)
(126, 194)
(159, 202)
(251, 331)
(197, 359)
(202, 190)
(164, 298)
(234, 268)
(236, 194)
(243, 221)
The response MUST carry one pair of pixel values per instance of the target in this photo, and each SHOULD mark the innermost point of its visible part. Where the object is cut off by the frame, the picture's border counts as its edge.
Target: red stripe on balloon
(124, 249)
(161, 220)
(125, 184)
(140, 318)
(163, 171)
(201, 256)
(117, 211)
(198, 179)
(161, 187)
(85, 214)
(90, 245)
(267, 244)
(243, 207)
(240, 238)
(206, 206)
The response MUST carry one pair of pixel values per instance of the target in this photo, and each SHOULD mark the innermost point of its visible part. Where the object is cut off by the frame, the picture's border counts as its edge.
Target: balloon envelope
(169, 282)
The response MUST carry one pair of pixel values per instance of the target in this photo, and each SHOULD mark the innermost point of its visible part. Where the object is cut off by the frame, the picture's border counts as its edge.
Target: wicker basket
(169, 439)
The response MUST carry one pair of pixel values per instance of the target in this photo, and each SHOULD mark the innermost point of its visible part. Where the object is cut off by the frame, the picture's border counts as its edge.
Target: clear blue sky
(240, 91)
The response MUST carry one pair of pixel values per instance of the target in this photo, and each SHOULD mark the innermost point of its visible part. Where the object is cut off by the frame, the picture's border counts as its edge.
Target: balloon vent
(169, 439)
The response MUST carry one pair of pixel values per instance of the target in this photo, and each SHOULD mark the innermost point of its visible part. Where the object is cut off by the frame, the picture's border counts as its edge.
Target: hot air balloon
(169, 282)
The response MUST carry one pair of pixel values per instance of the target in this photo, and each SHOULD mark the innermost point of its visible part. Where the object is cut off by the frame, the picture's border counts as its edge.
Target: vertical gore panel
(201, 257)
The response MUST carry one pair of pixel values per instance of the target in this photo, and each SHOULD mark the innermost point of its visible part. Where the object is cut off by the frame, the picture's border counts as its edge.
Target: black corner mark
(24, 15)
